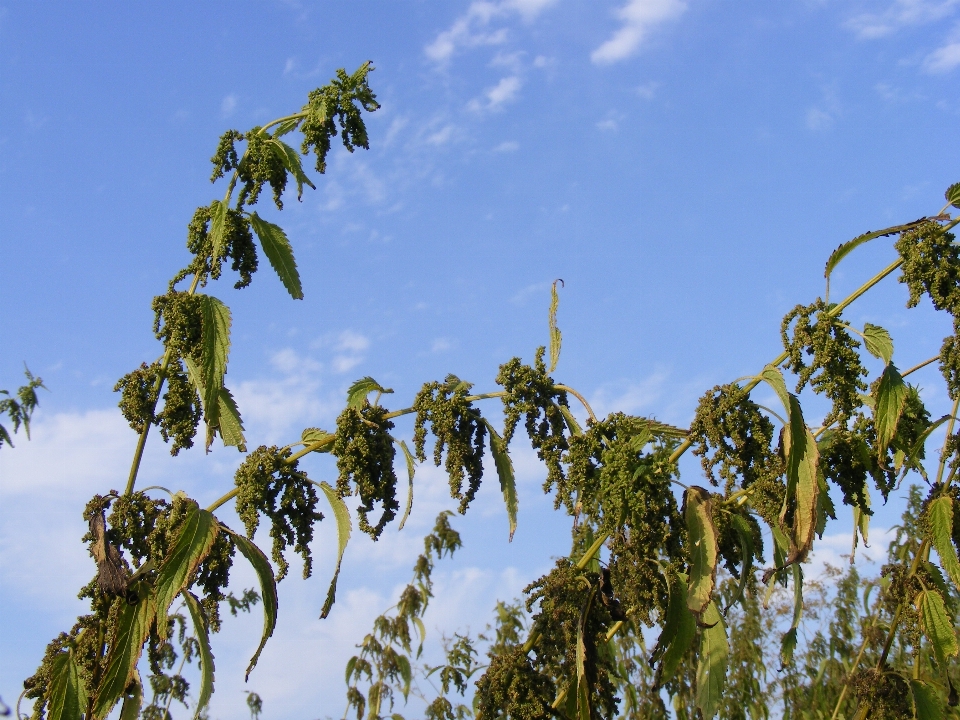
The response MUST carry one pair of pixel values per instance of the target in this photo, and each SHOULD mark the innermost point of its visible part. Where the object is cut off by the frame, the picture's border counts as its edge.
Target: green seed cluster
(533, 394)
(513, 688)
(885, 692)
(636, 580)
(236, 244)
(178, 323)
(261, 164)
(225, 158)
(740, 436)
(931, 266)
(213, 576)
(846, 461)
(136, 396)
(268, 484)
(835, 369)
(459, 430)
(365, 453)
(338, 102)
(181, 413)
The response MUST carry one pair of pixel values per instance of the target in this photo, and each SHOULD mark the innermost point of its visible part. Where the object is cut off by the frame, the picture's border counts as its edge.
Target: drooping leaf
(571, 421)
(774, 378)
(800, 448)
(678, 629)
(702, 535)
(195, 537)
(66, 693)
(845, 249)
(344, 527)
(825, 506)
(712, 662)
(361, 388)
(508, 483)
(291, 161)
(131, 631)
(745, 535)
(555, 335)
(218, 219)
(940, 524)
(878, 342)
(268, 589)
(926, 701)
(279, 252)
(287, 126)
(215, 352)
(132, 699)
(861, 524)
(201, 630)
(406, 673)
(582, 681)
(891, 400)
(315, 435)
(788, 644)
(411, 470)
(231, 426)
(789, 641)
(913, 455)
(937, 625)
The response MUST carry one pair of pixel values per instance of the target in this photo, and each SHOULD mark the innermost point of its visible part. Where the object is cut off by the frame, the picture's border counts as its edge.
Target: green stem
(295, 116)
(226, 498)
(921, 365)
(946, 439)
(578, 396)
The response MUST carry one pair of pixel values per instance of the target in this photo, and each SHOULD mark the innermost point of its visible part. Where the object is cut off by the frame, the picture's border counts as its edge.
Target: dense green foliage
(661, 607)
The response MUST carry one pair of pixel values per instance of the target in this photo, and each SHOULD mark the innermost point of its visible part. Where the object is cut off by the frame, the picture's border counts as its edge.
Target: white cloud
(647, 91)
(228, 105)
(471, 29)
(818, 119)
(507, 147)
(943, 59)
(290, 66)
(899, 14)
(638, 17)
(496, 97)
(440, 345)
(607, 125)
(441, 136)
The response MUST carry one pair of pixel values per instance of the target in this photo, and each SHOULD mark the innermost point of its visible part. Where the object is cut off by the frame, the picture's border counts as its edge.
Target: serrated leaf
(940, 524)
(937, 625)
(201, 631)
(132, 699)
(344, 527)
(952, 195)
(268, 589)
(678, 629)
(825, 506)
(411, 470)
(878, 342)
(131, 631)
(800, 449)
(556, 336)
(215, 351)
(745, 535)
(315, 435)
(282, 128)
(194, 539)
(774, 378)
(861, 524)
(926, 701)
(712, 663)
(508, 482)
(231, 426)
(218, 219)
(66, 693)
(845, 249)
(702, 535)
(291, 161)
(351, 664)
(357, 393)
(913, 455)
(788, 644)
(403, 663)
(279, 252)
(891, 400)
(789, 641)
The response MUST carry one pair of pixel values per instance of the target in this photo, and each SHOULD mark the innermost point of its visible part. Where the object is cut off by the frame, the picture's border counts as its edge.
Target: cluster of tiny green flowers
(533, 394)
(729, 546)
(885, 692)
(931, 266)
(225, 158)
(178, 323)
(181, 413)
(458, 428)
(337, 101)
(268, 484)
(365, 452)
(136, 396)
(236, 243)
(835, 369)
(261, 164)
(846, 460)
(513, 688)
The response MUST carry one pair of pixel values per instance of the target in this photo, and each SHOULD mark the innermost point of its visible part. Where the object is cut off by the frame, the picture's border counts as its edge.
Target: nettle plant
(652, 557)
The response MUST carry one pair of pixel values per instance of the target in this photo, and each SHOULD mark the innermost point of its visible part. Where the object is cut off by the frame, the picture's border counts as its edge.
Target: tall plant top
(163, 565)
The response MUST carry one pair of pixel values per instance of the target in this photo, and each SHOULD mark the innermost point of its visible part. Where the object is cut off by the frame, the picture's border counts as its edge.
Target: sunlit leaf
(268, 589)
(201, 631)
(215, 352)
(291, 161)
(937, 625)
(279, 252)
(774, 378)
(952, 195)
(891, 400)
(555, 335)
(878, 342)
(315, 435)
(231, 426)
(927, 702)
(712, 662)
(702, 535)
(132, 699)
(677, 630)
(361, 388)
(411, 470)
(800, 448)
(344, 527)
(66, 693)
(508, 482)
(940, 525)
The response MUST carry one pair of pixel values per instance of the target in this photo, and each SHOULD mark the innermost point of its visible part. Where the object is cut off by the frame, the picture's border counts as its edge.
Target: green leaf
(196, 536)
(66, 693)
(788, 643)
(702, 534)
(361, 388)
(800, 448)
(927, 702)
(861, 524)
(712, 665)
(774, 378)
(845, 249)
(411, 469)
(571, 421)
(132, 699)
(678, 629)
(878, 342)
(913, 455)
(291, 161)
(215, 352)
(281, 129)
(936, 625)
(583, 682)
(508, 482)
(952, 195)
(940, 524)
(403, 662)
(268, 589)
(218, 219)
(344, 527)
(231, 426)
(891, 400)
(745, 535)
(131, 630)
(315, 435)
(201, 630)
(555, 335)
(277, 248)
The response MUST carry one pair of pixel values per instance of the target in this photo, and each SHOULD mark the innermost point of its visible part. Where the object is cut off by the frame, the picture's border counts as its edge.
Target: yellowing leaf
(702, 538)
(201, 631)
(344, 527)
(712, 663)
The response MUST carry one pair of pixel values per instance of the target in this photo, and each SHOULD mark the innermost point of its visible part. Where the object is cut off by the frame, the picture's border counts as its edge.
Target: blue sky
(685, 166)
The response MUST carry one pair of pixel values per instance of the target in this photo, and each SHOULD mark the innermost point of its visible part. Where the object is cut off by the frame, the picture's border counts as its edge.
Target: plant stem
(921, 365)
(578, 396)
(946, 439)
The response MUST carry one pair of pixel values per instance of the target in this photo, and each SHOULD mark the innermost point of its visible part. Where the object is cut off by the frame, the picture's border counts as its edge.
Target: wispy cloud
(945, 58)
(648, 91)
(639, 17)
(900, 14)
(507, 147)
(228, 105)
(499, 95)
